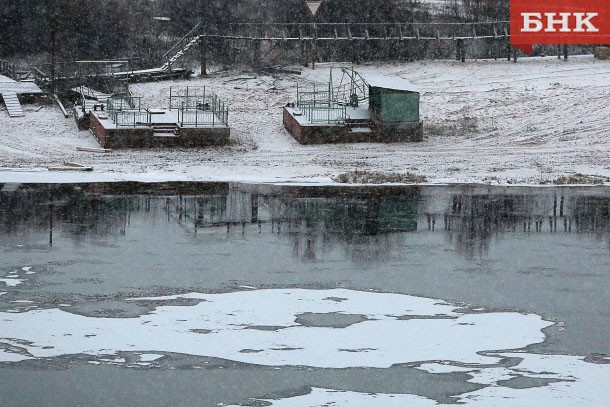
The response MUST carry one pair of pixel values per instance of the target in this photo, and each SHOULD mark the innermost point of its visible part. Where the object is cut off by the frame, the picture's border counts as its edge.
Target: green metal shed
(393, 100)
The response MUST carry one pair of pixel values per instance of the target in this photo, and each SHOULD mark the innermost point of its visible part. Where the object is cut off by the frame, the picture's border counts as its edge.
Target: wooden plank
(73, 164)
(61, 106)
(70, 168)
(94, 149)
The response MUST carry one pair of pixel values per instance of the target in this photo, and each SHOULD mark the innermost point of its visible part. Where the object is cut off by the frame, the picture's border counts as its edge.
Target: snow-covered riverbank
(488, 121)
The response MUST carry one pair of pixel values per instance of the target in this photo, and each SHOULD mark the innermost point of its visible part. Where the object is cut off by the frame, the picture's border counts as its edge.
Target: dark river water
(88, 250)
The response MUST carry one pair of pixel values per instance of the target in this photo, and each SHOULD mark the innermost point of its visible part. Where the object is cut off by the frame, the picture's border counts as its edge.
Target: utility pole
(53, 25)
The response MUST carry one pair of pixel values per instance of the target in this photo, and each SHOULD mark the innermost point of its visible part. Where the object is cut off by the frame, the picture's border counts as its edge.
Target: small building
(195, 118)
(354, 109)
(394, 107)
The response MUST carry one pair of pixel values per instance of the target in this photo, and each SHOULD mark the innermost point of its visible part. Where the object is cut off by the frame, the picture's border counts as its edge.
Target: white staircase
(180, 53)
(165, 130)
(12, 104)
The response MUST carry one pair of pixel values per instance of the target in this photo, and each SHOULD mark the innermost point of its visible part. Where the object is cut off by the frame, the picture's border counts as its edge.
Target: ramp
(186, 42)
(12, 104)
(180, 53)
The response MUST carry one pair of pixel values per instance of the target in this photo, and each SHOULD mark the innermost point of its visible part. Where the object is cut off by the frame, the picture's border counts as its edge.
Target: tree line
(102, 29)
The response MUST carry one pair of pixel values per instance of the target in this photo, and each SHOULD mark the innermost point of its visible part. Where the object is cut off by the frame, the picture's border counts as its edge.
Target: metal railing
(200, 118)
(197, 107)
(316, 95)
(191, 102)
(189, 97)
(325, 114)
(135, 102)
(318, 105)
(213, 114)
(123, 114)
(117, 104)
(310, 98)
(130, 118)
(327, 31)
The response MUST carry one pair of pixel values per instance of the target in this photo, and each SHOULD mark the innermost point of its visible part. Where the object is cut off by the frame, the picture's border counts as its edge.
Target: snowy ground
(485, 121)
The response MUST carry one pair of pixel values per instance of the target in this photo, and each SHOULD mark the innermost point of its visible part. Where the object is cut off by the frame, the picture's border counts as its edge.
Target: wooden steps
(12, 104)
(360, 125)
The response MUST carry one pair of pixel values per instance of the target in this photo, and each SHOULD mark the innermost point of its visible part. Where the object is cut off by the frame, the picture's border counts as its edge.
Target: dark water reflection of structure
(314, 217)
(475, 218)
(93, 246)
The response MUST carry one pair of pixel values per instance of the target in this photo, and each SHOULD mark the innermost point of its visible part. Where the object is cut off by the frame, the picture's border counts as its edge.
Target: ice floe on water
(389, 329)
(588, 390)
(149, 357)
(324, 329)
(327, 397)
(537, 380)
(28, 270)
(11, 281)
(12, 278)
(318, 328)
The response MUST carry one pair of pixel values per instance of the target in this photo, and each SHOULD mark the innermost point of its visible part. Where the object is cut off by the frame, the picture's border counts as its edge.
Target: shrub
(377, 177)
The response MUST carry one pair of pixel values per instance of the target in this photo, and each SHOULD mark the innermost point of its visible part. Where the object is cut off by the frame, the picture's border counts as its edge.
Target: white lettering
(581, 22)
(551, 21)
(531, 22)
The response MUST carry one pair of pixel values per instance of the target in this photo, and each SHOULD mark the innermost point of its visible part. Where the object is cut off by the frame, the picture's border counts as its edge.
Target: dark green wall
(390, 105)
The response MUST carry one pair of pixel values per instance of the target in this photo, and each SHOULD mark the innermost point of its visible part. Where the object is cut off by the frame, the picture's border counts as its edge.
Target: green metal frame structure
(198, 107)
(126, 111)
(327, 103)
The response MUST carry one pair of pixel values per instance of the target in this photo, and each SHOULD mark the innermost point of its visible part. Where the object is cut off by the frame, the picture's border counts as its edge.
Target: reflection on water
(475, 218)
(83, 252)
(98, 210)
(359, 219)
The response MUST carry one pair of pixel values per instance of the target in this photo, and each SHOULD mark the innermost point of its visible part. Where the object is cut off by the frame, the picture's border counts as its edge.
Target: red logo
(559, 22)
